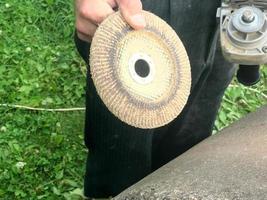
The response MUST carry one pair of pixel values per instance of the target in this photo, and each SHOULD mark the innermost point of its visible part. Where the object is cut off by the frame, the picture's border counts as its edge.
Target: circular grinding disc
(144, 76)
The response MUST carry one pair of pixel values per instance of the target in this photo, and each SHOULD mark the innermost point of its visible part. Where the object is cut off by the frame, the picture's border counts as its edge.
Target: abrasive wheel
(144, 76)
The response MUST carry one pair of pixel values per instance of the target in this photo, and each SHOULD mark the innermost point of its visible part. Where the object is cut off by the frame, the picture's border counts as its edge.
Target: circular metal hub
(248, 19)
(247, 27)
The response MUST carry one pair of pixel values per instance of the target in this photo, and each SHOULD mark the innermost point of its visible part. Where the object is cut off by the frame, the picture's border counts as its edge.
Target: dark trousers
(120, 155)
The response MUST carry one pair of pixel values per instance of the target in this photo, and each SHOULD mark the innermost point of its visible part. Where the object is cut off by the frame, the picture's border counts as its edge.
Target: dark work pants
(120, 155)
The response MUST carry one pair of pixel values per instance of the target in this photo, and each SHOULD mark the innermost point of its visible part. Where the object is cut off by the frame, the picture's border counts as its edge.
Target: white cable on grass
(83, 108)
(42, 109)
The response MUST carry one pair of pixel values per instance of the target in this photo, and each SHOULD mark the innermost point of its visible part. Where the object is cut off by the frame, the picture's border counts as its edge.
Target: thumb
(132, 12)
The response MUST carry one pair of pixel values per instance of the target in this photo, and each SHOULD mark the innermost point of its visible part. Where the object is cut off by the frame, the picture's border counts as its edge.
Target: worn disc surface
(143, 77)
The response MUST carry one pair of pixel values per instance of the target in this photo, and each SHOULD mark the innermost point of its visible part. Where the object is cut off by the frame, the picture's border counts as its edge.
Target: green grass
(240, 100)
(42, 154)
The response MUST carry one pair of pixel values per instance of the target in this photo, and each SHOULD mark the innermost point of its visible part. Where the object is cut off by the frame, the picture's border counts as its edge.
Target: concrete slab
(231, 165)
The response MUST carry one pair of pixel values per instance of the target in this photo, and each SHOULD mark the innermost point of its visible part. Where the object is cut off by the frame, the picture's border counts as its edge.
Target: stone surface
(231, 165)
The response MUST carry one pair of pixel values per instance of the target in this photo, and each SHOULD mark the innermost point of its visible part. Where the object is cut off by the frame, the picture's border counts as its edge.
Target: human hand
(90, 13)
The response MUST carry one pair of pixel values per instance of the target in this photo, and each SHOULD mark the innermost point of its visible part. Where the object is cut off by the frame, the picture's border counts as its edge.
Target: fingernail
(138, 20)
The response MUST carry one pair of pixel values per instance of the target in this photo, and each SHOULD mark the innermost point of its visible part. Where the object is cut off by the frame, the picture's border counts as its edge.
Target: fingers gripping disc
(144, 76)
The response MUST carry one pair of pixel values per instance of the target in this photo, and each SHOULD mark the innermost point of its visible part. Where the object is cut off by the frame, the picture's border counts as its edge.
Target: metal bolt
(248, 16)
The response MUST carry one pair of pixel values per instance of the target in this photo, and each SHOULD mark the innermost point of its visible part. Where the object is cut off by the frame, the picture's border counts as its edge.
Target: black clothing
(120, 155)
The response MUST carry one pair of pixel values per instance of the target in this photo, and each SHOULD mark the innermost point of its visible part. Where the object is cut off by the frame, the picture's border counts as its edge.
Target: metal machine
(243, 35)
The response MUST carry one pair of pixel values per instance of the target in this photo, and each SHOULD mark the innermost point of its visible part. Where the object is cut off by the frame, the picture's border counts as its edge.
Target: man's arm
(90, 13)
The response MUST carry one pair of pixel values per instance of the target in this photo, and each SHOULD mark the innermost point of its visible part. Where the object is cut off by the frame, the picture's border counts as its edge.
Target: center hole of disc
(142, 68)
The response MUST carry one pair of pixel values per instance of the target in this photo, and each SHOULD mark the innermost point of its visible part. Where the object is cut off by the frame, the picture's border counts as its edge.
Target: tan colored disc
(143, 77)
